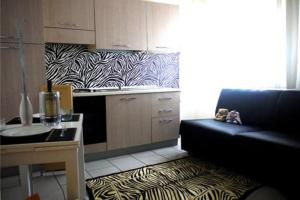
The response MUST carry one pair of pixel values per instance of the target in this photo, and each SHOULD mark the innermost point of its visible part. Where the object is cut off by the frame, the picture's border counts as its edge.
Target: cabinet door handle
(120, 45)
(128, 99)
(9, 47)
(8, 37)
(164, 99)
(67, 24)
(161, 47)
(165, 111)
(165, 121)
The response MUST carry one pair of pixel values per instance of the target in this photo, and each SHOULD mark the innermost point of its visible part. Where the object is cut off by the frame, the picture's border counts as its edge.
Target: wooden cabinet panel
(128, 120)
(162, 26)
(121, 24)
(11, 81)
(71, 14)
(165, 98)
(69, 36)
(165, 116)
(69, 21)
(165, 128)
(165, 110)
(25, 12)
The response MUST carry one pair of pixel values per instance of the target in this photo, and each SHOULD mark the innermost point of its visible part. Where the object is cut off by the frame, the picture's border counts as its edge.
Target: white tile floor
(53, 185)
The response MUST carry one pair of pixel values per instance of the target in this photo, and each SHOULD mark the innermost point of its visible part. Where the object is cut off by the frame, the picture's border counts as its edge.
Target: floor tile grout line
(114, 165)
(141, 161)
(161, 155)
(60, 186)
(101, 168)
(88, 174)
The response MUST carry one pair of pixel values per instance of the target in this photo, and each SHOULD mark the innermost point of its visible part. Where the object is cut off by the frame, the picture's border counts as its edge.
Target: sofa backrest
(287, 114)
(256, 107)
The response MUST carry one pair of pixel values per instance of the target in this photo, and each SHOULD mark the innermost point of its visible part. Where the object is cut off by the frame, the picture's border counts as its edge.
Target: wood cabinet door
(28, 13)
(162, 26)
(165, 128)
(128, 120)
(11, 81)
(70, 14)
(120, 24)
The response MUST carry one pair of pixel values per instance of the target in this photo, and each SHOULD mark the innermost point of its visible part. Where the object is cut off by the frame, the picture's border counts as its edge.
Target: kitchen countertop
(128, 90)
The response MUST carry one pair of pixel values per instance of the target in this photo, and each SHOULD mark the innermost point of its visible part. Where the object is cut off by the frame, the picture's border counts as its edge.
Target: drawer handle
(120, 45)
(164, 99)
(165, 121)
(128, 99)
(67, 24)
(165, 111)
(161, 47)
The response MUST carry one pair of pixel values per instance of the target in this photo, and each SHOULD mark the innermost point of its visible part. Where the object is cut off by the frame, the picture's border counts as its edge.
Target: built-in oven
(94, 117)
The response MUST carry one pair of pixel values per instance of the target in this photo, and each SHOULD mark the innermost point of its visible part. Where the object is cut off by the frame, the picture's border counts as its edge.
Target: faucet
(119, 86)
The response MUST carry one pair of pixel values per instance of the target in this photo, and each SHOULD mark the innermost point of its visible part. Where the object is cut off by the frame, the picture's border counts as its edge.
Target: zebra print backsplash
(82, 68)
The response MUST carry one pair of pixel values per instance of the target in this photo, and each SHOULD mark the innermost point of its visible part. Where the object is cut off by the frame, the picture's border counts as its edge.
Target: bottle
(25, 102)
(49, 106)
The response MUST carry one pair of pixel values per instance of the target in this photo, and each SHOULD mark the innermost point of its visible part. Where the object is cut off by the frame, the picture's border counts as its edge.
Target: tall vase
(26, 117)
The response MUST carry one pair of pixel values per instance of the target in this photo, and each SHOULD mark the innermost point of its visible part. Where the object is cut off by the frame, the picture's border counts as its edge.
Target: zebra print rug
(187, 178)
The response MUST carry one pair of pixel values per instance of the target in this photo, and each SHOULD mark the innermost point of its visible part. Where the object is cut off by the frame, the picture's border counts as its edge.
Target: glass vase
(26, 118)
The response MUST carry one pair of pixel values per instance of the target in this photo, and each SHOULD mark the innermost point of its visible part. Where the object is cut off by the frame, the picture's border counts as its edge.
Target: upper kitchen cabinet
(121, 24)
(69, 21)
(162, 27)
(26, 13)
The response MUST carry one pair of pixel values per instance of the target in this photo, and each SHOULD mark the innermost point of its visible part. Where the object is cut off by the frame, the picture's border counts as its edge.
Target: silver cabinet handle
(165, 111)
(164, 99)
(67, 24)
(8, 37)
(120, 45)
(9, 47)
(161, 47)
(165, 121)
(128, 99)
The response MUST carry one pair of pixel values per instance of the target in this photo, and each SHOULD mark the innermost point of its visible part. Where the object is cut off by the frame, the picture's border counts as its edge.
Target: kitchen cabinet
(11, 80)
(69, 21)
(26, 13)
(165, 116)
(162, 26)
(128, 120)
(121, 24)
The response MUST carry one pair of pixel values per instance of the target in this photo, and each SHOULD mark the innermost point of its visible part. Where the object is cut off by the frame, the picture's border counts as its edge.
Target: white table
(70, 152)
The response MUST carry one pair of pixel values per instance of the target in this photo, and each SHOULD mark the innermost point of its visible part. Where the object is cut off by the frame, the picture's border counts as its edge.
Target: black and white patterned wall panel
(84, 69)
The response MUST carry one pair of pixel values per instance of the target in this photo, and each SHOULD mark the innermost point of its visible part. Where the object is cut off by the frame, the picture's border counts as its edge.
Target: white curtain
(292, 42)
(229, 44)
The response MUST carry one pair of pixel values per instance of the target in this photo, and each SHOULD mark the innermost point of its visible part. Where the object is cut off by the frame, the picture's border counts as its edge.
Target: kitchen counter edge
(139, 91)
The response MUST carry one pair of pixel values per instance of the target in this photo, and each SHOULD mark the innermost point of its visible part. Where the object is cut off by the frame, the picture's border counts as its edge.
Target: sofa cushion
(256, 107)
(287, 116)
(213, 127)
(210, 137)
(269, 137)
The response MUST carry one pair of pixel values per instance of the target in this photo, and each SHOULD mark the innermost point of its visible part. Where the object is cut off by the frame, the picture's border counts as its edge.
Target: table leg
(81, 170)
(72, 175)
(25, 180)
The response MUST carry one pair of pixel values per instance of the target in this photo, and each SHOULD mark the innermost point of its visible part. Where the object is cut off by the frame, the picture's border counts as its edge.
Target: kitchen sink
(80, 90)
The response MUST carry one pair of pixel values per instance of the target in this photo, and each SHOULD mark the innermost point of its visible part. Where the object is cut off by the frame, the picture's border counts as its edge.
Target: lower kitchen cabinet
(128, 120)
(121, 121)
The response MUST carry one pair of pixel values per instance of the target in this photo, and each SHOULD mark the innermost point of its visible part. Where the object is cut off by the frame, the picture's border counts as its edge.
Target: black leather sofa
(266, 146)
